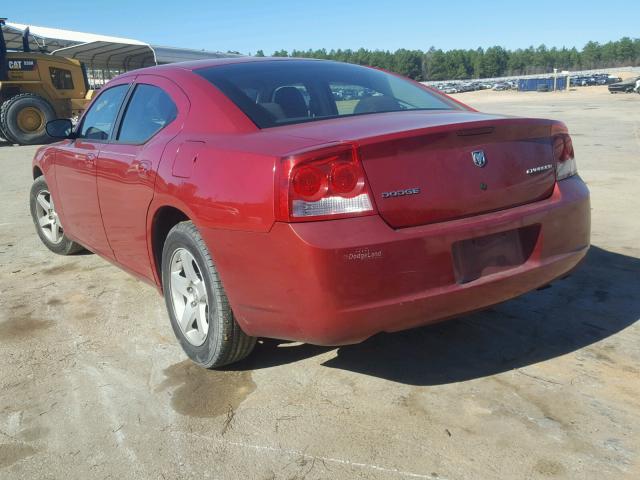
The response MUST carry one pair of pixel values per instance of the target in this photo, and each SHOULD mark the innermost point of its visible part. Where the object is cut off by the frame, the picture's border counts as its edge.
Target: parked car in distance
(308, 200)
(608, 79)
(593, 79)
(623, 87)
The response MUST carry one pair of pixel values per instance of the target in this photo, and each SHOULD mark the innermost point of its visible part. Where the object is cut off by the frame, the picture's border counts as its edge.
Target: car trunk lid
(429, 168)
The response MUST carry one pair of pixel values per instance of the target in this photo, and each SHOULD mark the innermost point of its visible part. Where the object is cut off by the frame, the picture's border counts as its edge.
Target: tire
(4, 134)
(59, 244)
(24, 117)
(210, 337)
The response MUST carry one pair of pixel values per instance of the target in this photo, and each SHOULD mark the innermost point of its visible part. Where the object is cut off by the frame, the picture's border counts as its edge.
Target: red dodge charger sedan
(308, 200)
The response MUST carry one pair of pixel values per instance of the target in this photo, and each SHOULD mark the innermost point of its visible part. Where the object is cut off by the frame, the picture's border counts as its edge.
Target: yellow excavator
(37, 87)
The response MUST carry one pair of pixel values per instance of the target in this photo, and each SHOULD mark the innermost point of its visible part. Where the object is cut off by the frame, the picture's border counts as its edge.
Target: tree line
(437, 64)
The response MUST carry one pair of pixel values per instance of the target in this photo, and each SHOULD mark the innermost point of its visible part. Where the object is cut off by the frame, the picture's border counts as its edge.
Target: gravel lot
(94, 385)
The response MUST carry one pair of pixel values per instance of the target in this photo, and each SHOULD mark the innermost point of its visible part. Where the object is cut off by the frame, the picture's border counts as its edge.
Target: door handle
(142, 167)
(90, 158)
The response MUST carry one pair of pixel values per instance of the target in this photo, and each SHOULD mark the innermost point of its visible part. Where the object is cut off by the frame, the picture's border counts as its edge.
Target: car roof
(214, 62)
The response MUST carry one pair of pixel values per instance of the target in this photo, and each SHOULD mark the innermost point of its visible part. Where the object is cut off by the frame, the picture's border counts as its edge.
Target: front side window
(99, 119)
(149, 111)
(286, 92)
(61, 78)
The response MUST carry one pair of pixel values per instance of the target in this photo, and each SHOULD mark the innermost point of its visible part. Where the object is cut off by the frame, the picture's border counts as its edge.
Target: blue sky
(270, 25)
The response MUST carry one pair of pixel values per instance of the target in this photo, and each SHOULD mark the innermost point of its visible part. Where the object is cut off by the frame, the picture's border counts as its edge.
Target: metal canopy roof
(107, 55)
(49, 39)
(100, 51)
(172, 54)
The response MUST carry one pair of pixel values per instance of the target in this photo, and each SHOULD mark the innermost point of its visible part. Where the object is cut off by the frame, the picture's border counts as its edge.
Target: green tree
(592, 55)
(407, 63)
(496, 61)
(436, 65)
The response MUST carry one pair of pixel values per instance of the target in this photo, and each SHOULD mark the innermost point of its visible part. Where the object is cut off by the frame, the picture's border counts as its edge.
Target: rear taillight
(563, 155)
(324, 183)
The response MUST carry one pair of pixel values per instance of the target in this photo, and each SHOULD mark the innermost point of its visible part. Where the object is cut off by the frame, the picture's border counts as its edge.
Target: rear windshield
(273, 93)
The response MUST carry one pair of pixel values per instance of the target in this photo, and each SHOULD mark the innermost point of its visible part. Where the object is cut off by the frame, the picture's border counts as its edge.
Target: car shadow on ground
(598, 300)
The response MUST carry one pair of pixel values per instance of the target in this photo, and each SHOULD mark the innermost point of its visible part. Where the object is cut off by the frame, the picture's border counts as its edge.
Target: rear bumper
(341, 281)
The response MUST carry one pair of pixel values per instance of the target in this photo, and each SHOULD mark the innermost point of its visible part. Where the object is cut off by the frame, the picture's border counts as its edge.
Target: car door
(154, 113)
(76, 171)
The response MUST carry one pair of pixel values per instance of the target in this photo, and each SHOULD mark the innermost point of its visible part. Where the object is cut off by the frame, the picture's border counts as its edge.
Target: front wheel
(200, 314)
(46, 220)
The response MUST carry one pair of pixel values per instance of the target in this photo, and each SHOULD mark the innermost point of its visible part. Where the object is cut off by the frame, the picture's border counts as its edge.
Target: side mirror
(60, 128)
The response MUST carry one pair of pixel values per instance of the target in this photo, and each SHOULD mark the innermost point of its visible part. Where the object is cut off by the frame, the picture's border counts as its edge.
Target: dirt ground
(94, 385)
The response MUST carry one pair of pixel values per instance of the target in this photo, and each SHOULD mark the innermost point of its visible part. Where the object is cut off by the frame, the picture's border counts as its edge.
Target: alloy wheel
(48, 220)
(189, 296)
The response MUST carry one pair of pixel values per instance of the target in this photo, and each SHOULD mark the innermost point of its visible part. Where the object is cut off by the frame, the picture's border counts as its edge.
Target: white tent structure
(104, 56)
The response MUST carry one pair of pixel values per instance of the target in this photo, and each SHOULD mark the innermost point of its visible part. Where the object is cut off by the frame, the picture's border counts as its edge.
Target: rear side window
(149, 111)
(61, 78)
(99, 119)
(273, 93)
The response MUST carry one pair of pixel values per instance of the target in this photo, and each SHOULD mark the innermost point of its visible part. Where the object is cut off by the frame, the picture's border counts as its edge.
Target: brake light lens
(309, 183)
(321, 184)
(564, 156)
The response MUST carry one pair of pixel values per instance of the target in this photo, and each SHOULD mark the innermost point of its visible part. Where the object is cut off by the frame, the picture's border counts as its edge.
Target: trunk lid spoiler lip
(475, 124)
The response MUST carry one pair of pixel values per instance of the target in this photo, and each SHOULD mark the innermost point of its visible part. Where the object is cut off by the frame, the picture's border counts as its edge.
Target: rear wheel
(200, 314)
(24, 118)
(46, 221)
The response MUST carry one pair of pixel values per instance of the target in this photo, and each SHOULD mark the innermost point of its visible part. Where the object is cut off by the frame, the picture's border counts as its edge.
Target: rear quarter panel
(227, 189)
(232, 183)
